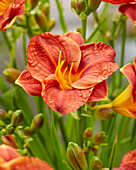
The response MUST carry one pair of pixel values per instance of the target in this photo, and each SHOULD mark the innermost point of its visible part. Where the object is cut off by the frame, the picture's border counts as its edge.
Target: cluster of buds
(42, 16)
(83, 6)
(92, 143)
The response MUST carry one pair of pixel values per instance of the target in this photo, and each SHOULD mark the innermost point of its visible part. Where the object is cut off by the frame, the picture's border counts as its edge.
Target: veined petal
(99, 92)
(7, 153)
(76, 36)
(124, 112)
(30, 85)
(25, 162)
(129, 71)
(43, 54)
(129, 10)
(119, 1)
(94, 73)
(64, 101)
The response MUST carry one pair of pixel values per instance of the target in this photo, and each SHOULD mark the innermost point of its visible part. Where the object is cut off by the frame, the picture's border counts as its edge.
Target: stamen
(69, 76)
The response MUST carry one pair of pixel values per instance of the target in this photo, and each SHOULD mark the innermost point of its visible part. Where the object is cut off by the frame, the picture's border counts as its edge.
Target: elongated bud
(10, 112)
(96, 163)
(76, 157)
(9, 140)
(37, 122)
(104, 114)
(33, 3)
(88, 133)
(17, 117)
(41, 19)
(73, 4)
(10, 129)
(27, 131)
(91, 104)
(2, 113)
(51, 23)
(93, 4)
(45, 9)
(86, 151)
(99, 138)
(11, 74)
(80, 6)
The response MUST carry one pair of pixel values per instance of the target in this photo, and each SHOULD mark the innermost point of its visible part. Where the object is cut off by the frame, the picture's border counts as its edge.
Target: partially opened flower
(128, 8)
(9, 10)
(125, 103)
(128, 161)
(10, 159)
(65, 72)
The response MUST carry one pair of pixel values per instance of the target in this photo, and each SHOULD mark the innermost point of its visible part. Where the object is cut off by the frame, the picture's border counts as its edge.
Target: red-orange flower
(9, 10)
(65, 72)
(128, 8)
(10, 159)
(128, 162)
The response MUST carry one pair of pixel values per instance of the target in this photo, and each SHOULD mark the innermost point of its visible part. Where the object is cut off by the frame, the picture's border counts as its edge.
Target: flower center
(63, 75)
(4, 5)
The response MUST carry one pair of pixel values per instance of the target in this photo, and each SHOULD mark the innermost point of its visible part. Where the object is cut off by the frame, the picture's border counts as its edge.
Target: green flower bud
(88, 133)
(76, 157)
(80, 6)
(104, 114)
(10, 129)
(96, 163)
(99, 138)
(17, 117)
(93, 4)
(45, 9)
(86, 151)
(51, 23)
(10, 112)
(41, 19)
(95, 149)
(73, 4)
(33, 3)
(2, 113)
(37, 122)
(27, 131)
(11, 74)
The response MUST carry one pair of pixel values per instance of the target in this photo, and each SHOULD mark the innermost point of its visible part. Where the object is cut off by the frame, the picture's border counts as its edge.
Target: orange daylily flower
(125, 103)
(128, 161)
(128, 8)
(65, 72)
(11, 160)
(9, 10)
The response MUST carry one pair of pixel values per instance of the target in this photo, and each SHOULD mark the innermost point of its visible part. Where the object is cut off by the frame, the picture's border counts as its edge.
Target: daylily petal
(30, 85)
(129, 10)
(94, 73)
(76, 36)
(119, 1)
(64, 101)
(124, 112)
(129, 71)
(99, 92)
(43, 54)
(25, 162)
(8, 153)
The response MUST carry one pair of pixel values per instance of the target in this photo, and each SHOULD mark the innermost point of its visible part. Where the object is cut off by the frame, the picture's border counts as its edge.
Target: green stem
(29, 26)
(84, 23)
(7, 40)
(24, 48)
(61, 17)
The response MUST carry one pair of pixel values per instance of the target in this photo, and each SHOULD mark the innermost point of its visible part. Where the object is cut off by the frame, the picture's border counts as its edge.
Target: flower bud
(10, 129)
(9, 140)
(99, 138)
(51, 23)
(11, 74)
(27, 131)
(91, 104)
(2, 113)
(10, 112)
(73, 4)
(76, 157)
(88, 133)
(104, 114)
(45, 9)
(41, 19)
(17, 117)
(33, 3)
(96, 163)
(80, 6)
(86, 151)
(95, 149)
(93, 4)
(37, 122)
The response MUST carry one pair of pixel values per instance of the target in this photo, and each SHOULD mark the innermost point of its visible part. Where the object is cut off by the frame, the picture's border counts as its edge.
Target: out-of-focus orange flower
(10, 159)
(65, 71)
(125, 103)
(9, 10)
(128, 8)
(9, 140)
(128, 162)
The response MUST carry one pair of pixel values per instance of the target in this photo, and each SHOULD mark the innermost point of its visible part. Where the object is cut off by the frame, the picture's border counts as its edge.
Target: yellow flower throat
(64, 77)
(4, 4)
